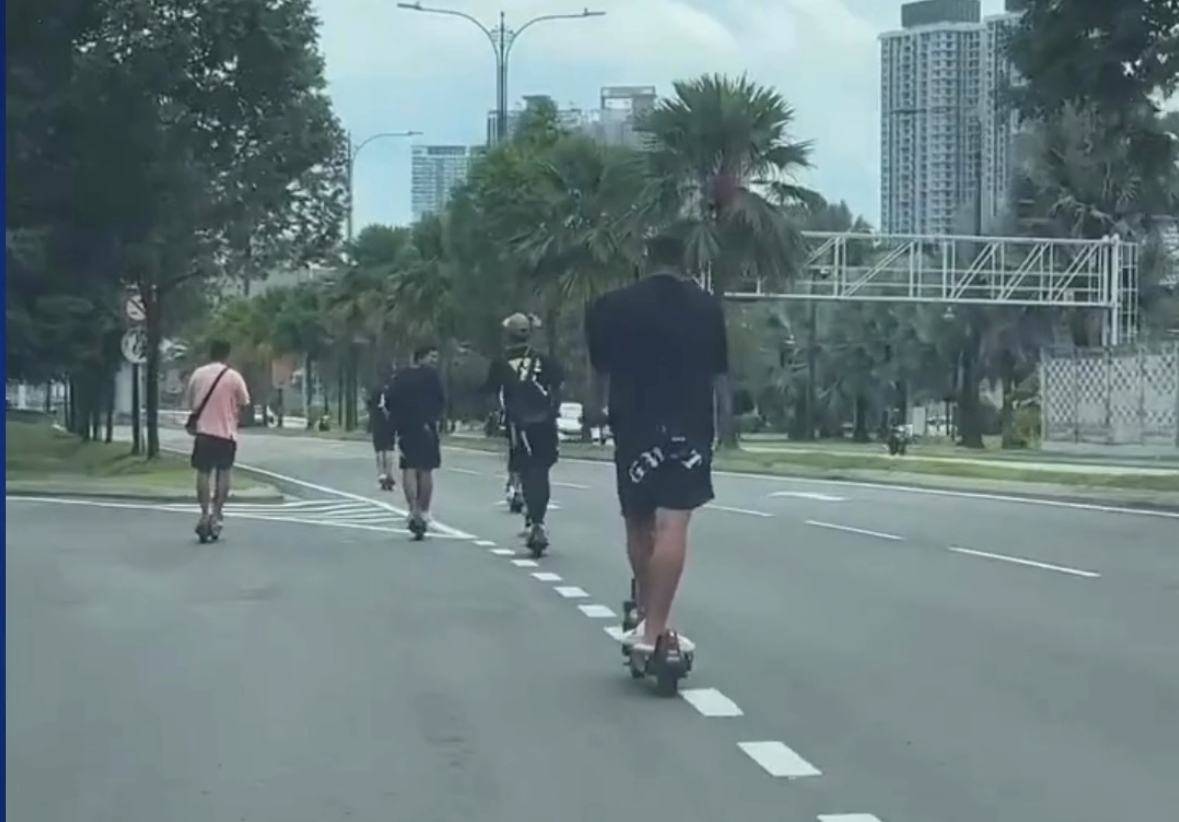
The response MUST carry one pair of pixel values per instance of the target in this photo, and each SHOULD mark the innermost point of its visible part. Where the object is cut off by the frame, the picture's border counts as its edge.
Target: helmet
(519, 326)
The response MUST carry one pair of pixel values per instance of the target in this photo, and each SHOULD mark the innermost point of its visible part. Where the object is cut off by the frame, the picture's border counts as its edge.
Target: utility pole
(502, 40)
(353, 152)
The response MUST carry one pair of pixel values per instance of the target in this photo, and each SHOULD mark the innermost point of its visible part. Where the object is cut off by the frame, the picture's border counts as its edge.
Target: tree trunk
(109, 433)
(69, 405)
(1011, 437)
(969, 402)
(726, 423)
(860, 413)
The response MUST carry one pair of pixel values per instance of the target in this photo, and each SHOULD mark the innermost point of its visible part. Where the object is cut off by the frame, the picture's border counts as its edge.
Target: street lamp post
(353, 151)
(502, 39)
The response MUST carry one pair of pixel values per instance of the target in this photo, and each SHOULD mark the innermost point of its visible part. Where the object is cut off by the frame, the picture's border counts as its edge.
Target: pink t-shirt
(220, 417)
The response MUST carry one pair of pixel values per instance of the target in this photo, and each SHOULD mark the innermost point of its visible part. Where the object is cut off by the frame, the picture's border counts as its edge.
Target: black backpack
(529, 402)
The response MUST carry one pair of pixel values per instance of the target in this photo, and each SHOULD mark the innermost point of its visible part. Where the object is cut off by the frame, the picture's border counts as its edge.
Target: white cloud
(392, 69)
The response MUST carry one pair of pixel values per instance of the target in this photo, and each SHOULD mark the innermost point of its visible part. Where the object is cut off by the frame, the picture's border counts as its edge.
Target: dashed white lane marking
(546, 576)
(466, 471)
(848, 817)
(849, 529)
(809, 495)
(778, 760)
(1031, 563)
(525, 563)
(571, 592)
(597, 611)
(485, 543)
(882, 486)
(710, 702)
(730, 509)
(614, 632)
(576, 485)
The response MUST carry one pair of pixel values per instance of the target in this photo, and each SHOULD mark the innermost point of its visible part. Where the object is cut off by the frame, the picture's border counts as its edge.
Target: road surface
(865, 654)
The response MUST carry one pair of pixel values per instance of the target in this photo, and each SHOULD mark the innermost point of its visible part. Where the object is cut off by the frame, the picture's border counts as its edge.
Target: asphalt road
(911, 657)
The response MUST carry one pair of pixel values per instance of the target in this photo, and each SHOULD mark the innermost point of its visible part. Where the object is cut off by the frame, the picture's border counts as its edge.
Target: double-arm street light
(502, 39)
(354, 150)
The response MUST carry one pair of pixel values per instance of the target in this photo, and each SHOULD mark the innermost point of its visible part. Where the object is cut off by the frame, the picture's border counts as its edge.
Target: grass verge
(36, 452)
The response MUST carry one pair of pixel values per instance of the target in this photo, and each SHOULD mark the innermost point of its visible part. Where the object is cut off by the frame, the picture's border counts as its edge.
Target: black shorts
(212, 453)
(532, 446)
(679, 481)
(384, 438)
(421, 449)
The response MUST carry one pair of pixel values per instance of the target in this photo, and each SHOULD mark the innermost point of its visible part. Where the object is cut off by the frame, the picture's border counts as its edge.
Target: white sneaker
(687, 646)
(629, 638)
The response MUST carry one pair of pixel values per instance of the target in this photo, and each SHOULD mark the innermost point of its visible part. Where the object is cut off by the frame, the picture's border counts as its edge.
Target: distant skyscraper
(436, 171)
(929, 127)
(998, 122)
(622, 107)
(612, 123)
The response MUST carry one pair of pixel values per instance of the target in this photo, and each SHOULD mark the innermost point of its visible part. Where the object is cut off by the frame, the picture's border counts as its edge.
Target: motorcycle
(899, 440)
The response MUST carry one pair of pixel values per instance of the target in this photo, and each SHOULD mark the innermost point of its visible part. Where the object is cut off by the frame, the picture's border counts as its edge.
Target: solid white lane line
(466, 471)
(778, 760)
(546, 576)
(848, 817)
(849, 529)
(1031, 563)
(358, 526)
(485, 543)
(710, 702)
(747, 511)
(809, 495)
(578, 486)
(571, 592)
(597, 611)
(503, 552)
(525, 563)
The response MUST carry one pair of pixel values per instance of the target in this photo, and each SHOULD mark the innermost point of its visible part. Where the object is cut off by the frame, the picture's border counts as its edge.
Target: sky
(393, 70)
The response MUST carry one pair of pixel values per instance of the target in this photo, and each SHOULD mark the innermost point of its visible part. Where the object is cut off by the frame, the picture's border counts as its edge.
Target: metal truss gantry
(1065, 274)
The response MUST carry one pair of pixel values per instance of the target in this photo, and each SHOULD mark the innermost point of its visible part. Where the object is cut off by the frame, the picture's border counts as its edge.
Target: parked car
(569, 422)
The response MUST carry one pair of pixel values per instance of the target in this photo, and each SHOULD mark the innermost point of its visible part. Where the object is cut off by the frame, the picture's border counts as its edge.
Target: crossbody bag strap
(200, 409)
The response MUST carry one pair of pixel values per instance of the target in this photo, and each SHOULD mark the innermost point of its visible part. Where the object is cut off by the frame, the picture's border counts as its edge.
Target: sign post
(134, 348)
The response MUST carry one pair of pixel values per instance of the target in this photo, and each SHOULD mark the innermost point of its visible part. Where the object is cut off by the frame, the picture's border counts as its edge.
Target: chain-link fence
(1127, 395)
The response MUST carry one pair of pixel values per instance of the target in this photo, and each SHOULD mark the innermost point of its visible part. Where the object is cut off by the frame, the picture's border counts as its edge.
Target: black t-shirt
(503, 376)
(416, 398)
(662, 343)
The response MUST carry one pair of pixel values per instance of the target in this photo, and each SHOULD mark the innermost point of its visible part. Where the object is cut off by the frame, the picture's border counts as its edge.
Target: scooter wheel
(667, 680)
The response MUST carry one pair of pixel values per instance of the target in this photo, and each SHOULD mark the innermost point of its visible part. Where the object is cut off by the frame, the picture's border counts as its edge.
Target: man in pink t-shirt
(216, 395)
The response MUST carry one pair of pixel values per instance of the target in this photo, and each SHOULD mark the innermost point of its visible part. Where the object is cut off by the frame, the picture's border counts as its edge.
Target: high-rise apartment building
(998, 122)
(946, 129)
(929, 127)
(622, 108)
(436, 171)
(613, 122)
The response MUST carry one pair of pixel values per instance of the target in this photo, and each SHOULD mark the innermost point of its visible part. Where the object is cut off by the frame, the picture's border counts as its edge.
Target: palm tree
(584, 243)
(722, 166)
